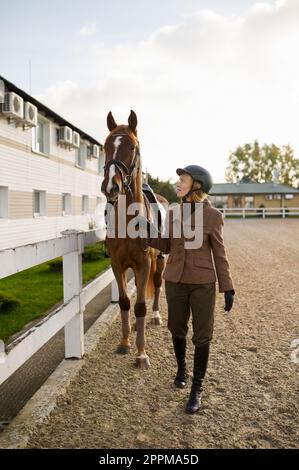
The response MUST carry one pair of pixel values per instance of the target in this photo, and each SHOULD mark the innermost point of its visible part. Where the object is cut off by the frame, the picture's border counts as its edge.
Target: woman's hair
(197, 196)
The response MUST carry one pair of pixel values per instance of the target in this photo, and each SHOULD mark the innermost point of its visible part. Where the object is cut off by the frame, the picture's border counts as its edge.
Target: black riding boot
(179, 345)
(201, 356)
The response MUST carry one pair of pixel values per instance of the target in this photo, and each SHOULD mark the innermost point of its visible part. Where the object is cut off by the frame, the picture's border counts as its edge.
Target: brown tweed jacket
(196, 266)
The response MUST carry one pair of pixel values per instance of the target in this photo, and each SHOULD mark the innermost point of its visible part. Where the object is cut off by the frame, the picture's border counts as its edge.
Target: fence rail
(262, 212)
(69, 315)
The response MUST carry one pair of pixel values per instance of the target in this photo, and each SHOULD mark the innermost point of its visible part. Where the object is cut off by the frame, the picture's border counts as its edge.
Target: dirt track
(252, 387)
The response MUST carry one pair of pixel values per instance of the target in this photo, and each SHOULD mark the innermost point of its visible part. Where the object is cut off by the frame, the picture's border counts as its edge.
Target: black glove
(229, 299)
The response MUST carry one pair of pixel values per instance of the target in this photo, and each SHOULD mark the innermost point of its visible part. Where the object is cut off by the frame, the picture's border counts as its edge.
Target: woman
(190, 278)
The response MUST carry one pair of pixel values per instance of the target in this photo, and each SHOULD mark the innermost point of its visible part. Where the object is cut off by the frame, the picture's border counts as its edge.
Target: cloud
(88, 30)
(200, 87)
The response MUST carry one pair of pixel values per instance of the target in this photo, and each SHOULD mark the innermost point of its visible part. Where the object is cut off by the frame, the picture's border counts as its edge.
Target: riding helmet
(199, 174)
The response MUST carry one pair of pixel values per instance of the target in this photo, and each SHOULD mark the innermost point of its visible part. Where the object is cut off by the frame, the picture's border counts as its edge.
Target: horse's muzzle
(113, 193)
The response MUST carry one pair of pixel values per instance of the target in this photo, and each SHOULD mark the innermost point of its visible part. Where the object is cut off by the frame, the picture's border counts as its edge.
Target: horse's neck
(136, 196)
(137, 188)
(137, 193)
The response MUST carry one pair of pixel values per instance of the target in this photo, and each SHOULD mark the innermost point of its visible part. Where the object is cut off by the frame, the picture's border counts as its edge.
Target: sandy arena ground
(251, 391)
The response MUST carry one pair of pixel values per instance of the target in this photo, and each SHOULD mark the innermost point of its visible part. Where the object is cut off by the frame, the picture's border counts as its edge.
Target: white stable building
(50, 172)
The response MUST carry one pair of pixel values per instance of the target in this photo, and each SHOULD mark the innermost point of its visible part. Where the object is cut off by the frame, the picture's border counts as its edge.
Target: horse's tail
(150, 287)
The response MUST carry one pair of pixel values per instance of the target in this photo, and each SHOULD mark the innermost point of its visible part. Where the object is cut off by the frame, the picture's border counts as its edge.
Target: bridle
(125, 172)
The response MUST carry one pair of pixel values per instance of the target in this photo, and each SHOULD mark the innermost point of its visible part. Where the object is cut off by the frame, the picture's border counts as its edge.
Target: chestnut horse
(123, 177)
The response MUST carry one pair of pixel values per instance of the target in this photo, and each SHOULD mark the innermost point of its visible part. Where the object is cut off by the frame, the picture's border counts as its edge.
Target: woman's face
(183, 185)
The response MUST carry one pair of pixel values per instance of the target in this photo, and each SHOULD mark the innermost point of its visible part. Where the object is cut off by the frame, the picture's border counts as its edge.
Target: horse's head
(121, 157)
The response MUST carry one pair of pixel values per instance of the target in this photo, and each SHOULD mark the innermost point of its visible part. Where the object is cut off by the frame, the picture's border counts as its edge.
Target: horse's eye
(132, 147)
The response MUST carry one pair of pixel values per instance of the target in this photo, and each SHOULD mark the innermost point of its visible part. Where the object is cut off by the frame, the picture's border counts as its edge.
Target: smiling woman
(190, 277)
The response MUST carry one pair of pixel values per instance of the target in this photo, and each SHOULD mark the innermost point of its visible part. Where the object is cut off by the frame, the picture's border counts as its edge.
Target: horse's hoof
(156, 321)
(123, 349)
(156, 318)
(142, 362)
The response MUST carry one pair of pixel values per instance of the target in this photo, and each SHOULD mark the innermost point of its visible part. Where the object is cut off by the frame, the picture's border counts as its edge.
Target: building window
(39, 203)
(277, 196)
(219, 201)
(3, 202)
(41, 136)
(249, 202)
(268, 197)
(85, 205)
(101, 163)
(289, 196)
(66, 204)
(81, 155)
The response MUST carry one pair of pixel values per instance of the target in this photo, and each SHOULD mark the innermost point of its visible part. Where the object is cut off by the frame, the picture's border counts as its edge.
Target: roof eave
(48, 112)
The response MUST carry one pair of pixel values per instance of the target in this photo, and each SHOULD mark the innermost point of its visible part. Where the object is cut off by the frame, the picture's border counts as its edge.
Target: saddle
(150, 198)
(149, 193)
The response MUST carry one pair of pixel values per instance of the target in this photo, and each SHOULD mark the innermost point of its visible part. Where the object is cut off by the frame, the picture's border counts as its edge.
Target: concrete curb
(44, 401)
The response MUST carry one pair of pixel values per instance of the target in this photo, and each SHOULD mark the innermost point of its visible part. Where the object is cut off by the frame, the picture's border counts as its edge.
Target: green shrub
(93, 252)
(7, 303)
(55, 265)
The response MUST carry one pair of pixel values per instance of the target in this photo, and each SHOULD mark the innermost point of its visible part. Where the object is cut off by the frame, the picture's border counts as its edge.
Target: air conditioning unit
(13, 106)
(65, 136)
(76, 140)
(94, 151)
(30, 114)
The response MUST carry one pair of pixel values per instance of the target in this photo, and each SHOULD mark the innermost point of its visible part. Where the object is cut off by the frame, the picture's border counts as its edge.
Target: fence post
(114, 291)
(243, 213)
(72, 285)
(224, 213)
(283, 213)
(264, 212)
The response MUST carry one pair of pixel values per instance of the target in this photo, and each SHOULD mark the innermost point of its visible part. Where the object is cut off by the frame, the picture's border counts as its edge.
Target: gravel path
(251, 392)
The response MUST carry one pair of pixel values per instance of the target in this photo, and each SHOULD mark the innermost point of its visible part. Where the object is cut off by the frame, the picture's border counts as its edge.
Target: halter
(125, 172)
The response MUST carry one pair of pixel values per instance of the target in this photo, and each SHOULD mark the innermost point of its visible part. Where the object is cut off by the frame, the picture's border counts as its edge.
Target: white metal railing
(262, 212)
(69, 315)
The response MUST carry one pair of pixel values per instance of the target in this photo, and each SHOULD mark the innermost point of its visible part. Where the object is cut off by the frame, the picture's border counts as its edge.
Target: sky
(203, 76)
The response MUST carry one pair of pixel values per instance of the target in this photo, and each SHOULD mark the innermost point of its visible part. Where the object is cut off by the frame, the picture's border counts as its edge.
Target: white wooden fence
(70, 314)
(262, 212)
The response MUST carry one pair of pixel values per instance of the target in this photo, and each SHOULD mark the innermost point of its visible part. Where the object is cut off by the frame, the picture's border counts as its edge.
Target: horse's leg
(141, 276)
(160, 263)
(124, 305)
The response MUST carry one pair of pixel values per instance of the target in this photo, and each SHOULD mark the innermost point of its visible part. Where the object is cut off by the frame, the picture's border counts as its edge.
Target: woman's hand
(229, 299)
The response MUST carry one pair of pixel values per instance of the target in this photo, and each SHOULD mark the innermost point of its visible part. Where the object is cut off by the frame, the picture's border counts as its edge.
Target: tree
(263, 164)
(164, 188)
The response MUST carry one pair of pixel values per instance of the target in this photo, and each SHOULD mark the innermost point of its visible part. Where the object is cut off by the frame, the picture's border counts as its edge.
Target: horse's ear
(111, 122)
(132, 122)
